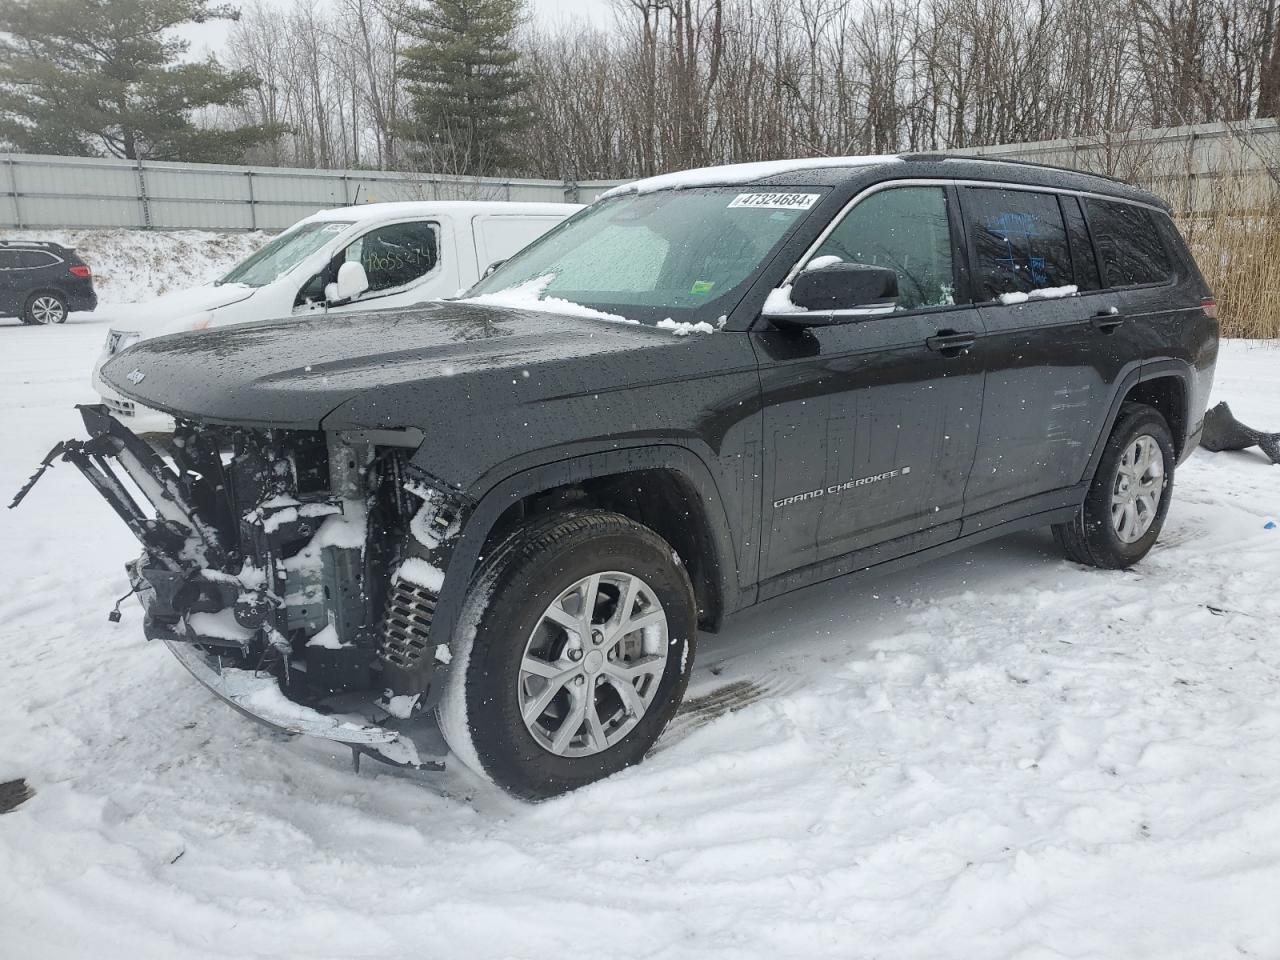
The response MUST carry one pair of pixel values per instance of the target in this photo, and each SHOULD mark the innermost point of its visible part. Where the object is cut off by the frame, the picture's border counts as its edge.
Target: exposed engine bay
(294, 572)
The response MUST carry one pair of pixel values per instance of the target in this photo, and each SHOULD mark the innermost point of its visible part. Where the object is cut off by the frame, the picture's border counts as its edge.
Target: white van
(372, 256)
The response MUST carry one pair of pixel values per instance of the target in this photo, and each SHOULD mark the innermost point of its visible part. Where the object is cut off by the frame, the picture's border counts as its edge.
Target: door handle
(949, 343)
(1107, 321)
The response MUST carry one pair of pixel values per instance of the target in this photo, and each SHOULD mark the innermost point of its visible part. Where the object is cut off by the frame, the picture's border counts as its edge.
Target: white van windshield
(284, 253)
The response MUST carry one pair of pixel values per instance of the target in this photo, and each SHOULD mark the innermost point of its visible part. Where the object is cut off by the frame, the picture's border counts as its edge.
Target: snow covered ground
(132, 265)
(996, 755)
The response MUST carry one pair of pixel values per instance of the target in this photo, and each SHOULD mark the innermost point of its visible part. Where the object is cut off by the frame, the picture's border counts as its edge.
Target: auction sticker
(775, 201)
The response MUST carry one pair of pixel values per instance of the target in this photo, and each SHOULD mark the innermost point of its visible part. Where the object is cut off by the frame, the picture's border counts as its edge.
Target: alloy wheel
(1137, 489)
(48, 310)
(592, 664)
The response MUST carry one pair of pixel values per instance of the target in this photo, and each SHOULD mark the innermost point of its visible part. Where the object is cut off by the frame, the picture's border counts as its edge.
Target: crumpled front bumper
(214, 621)
(258, 697)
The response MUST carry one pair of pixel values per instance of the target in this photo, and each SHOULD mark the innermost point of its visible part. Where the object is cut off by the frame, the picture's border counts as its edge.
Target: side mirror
(837, 293)
(492, 267)
(352, 281)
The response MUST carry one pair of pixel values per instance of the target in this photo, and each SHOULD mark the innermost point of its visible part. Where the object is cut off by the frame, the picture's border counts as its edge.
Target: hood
(172, 312)
(384, 368)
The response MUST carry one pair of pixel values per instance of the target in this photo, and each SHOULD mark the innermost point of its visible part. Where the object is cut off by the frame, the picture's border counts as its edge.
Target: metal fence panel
(88, 192)
(1187, 165)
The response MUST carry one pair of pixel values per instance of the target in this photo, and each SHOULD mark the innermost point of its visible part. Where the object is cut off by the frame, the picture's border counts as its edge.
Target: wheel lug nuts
(575, 654)
(597, 637)
(578, 680)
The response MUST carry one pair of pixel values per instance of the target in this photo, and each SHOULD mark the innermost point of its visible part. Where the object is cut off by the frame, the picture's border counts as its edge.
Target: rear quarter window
(1129, 244)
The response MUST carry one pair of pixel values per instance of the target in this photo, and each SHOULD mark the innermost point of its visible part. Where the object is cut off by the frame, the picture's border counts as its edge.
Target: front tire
(45, 308)
(572, 654)
(1123, 513)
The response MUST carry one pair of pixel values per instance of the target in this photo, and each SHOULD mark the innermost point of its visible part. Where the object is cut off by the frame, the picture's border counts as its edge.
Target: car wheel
(572, 653)
(1125, 508)
(45, 308)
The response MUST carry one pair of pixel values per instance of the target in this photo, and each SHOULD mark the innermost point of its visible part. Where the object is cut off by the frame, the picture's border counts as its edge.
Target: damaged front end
(295, 573)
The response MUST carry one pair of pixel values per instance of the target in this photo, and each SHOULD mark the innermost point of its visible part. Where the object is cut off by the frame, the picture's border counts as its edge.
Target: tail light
(80, 270)
(1210, 307)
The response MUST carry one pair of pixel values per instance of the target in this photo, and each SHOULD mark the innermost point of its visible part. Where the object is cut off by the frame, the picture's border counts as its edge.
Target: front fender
(483, 515)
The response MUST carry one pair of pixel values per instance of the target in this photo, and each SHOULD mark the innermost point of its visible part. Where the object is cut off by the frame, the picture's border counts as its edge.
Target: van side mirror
(492, 267)
(352, 281)
(853, 289)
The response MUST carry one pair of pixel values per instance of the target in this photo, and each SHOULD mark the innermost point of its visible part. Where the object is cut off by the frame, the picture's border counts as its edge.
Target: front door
(870, 426)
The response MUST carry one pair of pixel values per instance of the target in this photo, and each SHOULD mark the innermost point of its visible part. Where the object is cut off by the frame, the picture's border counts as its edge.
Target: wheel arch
(30, 295)
(1164, 385)
(666, 487)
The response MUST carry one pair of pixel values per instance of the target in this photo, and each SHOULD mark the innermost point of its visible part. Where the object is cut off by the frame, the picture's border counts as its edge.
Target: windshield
(682, 254)
(284, 253)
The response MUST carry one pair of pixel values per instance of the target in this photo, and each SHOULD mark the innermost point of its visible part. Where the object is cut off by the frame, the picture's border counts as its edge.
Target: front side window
(395, 255)
(905, 229)
(1128, 242)
(1019, 240)
(284, 253)
(688, 254)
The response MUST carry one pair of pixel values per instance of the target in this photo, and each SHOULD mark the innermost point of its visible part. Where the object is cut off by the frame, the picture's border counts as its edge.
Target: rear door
(870, 426)
(1055, 346)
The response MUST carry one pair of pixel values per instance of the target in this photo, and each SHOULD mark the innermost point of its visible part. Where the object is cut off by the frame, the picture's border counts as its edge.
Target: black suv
(515, 510)
(42, 282)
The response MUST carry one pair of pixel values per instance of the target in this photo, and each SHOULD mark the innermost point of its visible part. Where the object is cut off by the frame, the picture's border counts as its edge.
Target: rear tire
(45, 308)
(1123, 513)
(535, 698)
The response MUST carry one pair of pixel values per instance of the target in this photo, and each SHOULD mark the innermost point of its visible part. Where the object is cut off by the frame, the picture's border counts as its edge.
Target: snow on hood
(174, 312)
(528, 296)
(737, 173)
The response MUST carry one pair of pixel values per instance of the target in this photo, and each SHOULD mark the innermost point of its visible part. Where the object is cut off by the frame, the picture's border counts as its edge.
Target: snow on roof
(409, 208)
(735, 173)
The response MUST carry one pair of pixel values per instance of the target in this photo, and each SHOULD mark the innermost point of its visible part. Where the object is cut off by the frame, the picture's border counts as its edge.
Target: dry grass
(1231, 219)
(1239, 256)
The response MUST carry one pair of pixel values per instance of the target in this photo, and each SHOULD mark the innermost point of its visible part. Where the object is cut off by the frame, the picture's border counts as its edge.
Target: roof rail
(979, 158)
(33, 245)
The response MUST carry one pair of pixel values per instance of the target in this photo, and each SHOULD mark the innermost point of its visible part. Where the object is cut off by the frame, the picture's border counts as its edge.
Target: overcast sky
(212, 36)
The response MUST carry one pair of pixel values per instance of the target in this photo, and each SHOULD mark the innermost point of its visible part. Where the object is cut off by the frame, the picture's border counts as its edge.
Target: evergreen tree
(465, 83)
(88, 77)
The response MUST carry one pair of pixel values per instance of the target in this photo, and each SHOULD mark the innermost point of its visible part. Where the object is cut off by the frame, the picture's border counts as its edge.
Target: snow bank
(136, 265)
(997, 755)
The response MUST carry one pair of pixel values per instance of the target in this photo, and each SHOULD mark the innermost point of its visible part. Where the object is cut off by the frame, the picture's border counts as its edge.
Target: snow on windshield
(683, 255)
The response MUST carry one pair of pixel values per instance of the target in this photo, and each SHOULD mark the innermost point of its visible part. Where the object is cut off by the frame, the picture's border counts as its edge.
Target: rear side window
(1129, 244)
(30, 259)
(1019, 240)
(905, 228)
